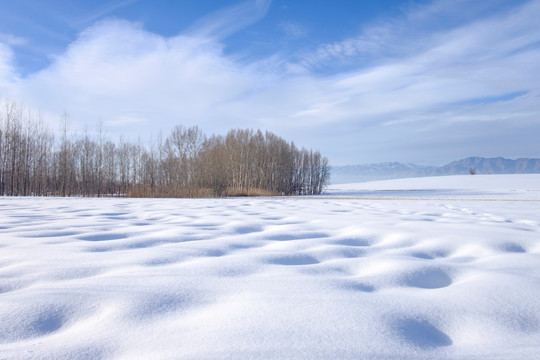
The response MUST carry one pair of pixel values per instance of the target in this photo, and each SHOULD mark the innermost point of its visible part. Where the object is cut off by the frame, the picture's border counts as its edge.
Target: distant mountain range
(395, 170)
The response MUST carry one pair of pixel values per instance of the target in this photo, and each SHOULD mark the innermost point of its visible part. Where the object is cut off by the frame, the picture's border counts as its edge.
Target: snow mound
(350, 275)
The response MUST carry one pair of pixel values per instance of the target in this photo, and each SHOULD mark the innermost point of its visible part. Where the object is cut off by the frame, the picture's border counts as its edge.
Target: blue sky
(362, 81)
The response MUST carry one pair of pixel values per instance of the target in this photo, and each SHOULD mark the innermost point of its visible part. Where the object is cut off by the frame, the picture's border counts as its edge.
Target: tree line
(186, 163)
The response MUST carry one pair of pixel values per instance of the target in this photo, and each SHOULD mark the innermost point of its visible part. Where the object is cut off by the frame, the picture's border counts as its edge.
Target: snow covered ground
(434, 268)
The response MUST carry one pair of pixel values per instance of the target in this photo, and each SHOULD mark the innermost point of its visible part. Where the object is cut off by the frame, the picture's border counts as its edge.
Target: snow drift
(445, 268)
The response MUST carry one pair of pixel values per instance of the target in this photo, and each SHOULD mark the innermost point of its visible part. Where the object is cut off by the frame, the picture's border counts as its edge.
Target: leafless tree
(184, 164)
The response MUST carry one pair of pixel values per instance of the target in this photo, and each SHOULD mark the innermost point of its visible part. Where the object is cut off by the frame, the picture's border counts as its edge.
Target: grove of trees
(187, 163)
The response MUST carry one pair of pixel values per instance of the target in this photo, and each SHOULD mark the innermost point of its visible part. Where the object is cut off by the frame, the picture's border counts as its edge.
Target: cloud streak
(7, 74)
(226, 22)
(100, 12)
(12, 40)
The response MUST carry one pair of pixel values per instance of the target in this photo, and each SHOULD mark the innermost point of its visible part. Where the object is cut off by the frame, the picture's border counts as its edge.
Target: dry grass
(250, 192)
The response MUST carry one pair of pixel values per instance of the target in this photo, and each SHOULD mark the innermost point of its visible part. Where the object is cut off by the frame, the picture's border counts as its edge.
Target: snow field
(274, 278)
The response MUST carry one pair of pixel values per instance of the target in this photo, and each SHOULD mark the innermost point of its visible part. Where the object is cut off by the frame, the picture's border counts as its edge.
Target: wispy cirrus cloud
(293, 30)
(12, 40)
(223, 23)
(483, 58)
(8, 76)
(102, 11)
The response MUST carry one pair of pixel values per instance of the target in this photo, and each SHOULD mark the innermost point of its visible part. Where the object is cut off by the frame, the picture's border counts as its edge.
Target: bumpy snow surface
(436, 268)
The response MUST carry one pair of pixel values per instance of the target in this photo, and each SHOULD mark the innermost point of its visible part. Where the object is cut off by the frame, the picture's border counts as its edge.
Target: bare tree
(184, 164)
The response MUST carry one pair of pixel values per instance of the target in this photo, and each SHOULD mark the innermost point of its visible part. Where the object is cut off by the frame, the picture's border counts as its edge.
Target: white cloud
(102, 11)
(293, 30)
(486, 58)
(117, 71)
(12, 40)
(223, 23)
(8, 77)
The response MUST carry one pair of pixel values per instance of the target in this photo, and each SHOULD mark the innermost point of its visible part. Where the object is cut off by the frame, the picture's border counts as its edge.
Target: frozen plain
(445, 268)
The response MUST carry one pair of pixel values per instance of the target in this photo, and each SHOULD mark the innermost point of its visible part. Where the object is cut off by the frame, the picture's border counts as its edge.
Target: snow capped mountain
(396, 170)
(376, 171)
(497, 165)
